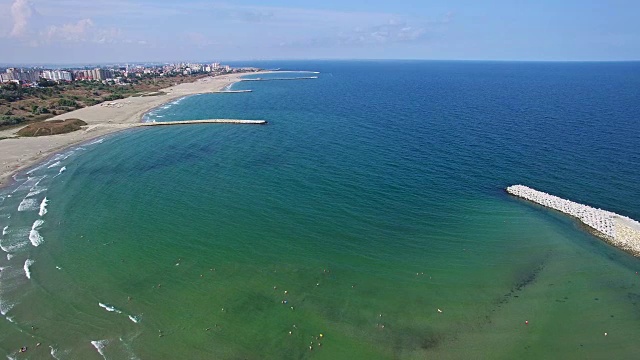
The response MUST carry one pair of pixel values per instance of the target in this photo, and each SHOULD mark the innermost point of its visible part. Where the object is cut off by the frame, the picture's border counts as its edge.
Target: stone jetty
(232, 91)
(206, 121)
(285, 78)
(617, 230)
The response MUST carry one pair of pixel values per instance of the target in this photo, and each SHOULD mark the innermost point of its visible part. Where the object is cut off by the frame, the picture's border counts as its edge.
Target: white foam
(5, 307)
(135, 319)
(36, 190)
(94, 142)
(100, 345)
(43, 207)
(109, 308)
(27, 267)
(16, 240)
(37, 168)
(128, 348)
(36, 186)
(28, 204)
(58, 354)
(34, 235)
(13, 247)
(62, 169)
(54, 353)
(57, 163)
(66, 155)
(10, 319)
(9, 256)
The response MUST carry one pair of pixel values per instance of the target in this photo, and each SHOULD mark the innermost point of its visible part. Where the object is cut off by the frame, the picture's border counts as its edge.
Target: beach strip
(19, 154)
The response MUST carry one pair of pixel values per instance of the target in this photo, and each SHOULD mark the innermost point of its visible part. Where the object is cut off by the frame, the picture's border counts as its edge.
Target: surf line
(110, 308)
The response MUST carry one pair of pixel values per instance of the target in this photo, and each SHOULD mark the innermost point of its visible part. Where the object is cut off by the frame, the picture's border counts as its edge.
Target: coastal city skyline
(71, 31)
(33, 74)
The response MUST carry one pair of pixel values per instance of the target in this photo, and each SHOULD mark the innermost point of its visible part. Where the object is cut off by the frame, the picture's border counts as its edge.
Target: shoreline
(160, 105)
(617, 230)
(23, 153)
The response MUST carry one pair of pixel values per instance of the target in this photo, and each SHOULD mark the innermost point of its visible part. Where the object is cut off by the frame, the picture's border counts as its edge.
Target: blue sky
(76, 31)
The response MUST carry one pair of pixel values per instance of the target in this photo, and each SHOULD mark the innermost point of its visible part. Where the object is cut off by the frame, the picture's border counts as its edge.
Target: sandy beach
(19, 153)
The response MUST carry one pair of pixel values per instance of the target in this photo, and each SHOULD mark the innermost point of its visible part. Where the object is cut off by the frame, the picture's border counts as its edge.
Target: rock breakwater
(617, 230)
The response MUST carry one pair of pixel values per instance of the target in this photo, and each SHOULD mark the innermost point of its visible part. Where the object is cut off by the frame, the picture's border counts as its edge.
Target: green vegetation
(20, 104)
(10, 120)
(113, 97)
(39, 109)
(46, 83)
(68, 103)
(52, 127)
(153, 93)
(10, 92)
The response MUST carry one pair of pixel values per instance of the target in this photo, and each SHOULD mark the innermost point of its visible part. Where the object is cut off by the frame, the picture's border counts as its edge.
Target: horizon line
(33, 64)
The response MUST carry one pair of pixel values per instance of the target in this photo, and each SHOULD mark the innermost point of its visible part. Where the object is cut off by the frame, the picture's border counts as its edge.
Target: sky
(100, 31)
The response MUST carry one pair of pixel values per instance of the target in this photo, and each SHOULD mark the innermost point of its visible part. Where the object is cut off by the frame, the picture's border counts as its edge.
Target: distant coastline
(106, 118)
(23, 153)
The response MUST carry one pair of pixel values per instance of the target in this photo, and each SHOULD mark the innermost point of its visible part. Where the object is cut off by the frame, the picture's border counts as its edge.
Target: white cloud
(393, 31)
(110, 35)
(151, 28)
(74, 32)
(83, 30)
(21, 12)
(31, 27)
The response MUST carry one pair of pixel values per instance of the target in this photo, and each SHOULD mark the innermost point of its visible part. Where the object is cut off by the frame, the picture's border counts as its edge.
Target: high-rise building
(26, 76)
(57, 75)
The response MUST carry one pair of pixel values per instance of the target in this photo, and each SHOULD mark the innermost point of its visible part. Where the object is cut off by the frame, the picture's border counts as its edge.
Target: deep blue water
(569, 128)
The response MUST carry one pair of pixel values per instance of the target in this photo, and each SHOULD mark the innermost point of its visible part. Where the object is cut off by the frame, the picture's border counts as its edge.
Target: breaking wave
(34, 235)
(28, 204)
(109, 308)
(43, 207)
(100, 345)
(27, 267)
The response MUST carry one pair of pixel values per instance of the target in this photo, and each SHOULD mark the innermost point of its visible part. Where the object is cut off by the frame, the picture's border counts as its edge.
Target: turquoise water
(372, 200)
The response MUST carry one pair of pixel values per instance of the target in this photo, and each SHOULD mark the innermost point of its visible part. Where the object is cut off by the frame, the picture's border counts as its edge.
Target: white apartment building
(57, 75)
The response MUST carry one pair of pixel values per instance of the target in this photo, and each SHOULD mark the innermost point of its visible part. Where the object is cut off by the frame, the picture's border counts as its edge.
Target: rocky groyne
(206, 121)
(277, 79)
(617, 230)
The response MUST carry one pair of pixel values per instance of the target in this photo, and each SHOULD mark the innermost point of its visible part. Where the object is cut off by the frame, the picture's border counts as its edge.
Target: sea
(366, 220)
